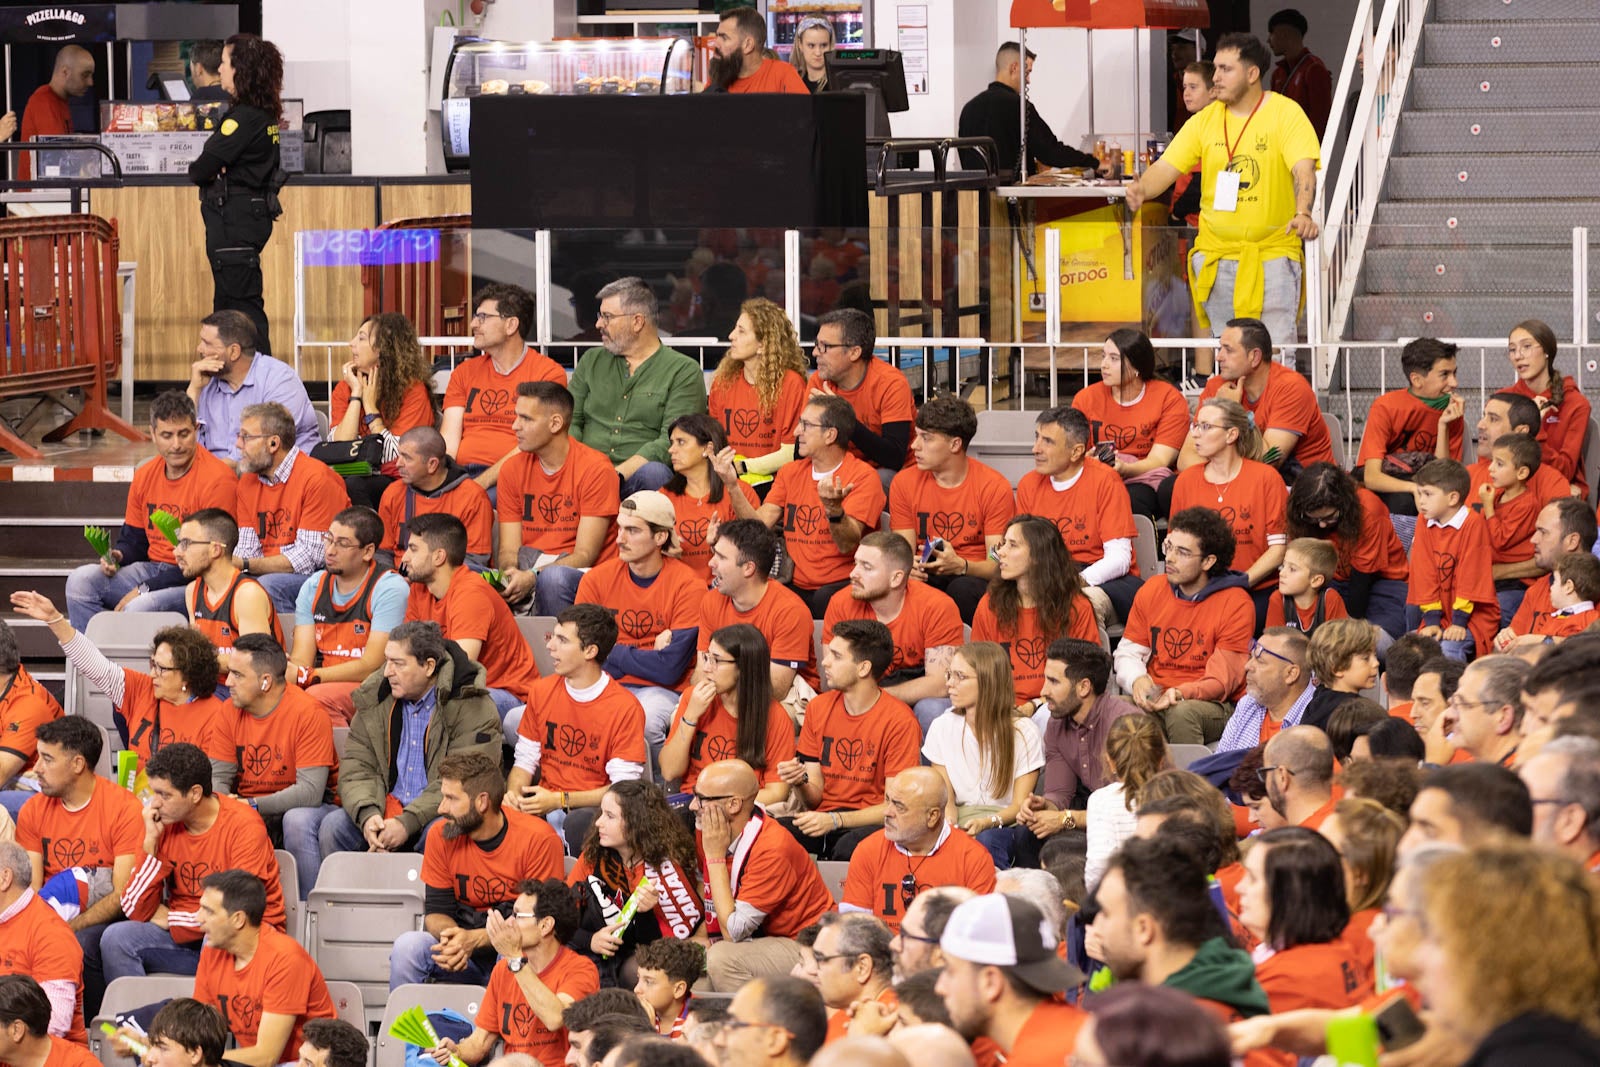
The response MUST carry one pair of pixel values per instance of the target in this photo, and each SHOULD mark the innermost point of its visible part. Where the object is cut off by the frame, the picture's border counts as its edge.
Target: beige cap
(654, 507)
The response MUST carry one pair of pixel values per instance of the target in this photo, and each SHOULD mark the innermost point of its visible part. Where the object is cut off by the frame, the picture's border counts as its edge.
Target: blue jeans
(135, 949)
(652, 475)
(555, 589)
(89, 591)
(282, 588)
(411, 963)
(1456, 650)
(302, 838)
(13, 799)
(929, 708)
(1510, 601)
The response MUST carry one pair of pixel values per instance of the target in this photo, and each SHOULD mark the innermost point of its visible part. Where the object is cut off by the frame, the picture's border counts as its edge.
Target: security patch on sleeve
(228, 127)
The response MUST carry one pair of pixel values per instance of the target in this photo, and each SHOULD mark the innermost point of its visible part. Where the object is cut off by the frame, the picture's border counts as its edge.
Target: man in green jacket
(428, 701)
(628, 392)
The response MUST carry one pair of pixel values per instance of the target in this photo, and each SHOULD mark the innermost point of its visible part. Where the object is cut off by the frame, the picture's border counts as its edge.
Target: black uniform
(994, 113)
(239, 177)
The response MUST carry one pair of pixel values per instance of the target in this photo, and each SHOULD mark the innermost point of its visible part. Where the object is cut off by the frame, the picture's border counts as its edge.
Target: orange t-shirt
(858, 753)
(1562, 431)
(839, 1019)
(549, 504)
(280, 979)
(1547, 483)
(1448, 564)
(1027, 643)
(804, 524)
(578, 740)
(781, 615)
(219, 619)
(877, 869)
(928, 619)
(110, 825)
(1183, 635)
(670, 602)
(24, 707)
(488, 400)
(236, 841)
(69, 1053)
(773, 76)
(1327, 975)
(1332, 608)
(507, 1014)
(1359, 936)
(1287, 403)
(1051, 1028)
(416, 409)
(1093, 510)
(1511, 529)
(1398, 422)
(1254, 506)
(963, 517)
(1535, 606)
(208, 483)
(777, 878)
(1379, 551)
(38, 943)
(884, 396)
(751, 431)
(716, 738)
(1159, 416)
(154, 723)
(1555, 625)
(467, 502)
(695, 515)
(269, 750)
(482, 879)
(472, 611)
(307, 500)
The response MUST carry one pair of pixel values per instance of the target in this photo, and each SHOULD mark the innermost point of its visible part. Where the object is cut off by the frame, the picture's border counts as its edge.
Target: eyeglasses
(1207, 427)
(183, 544)
(344, 543)
(1257, 650)
(1558, 801)
(908, 889)
(822, 347)
(1170, 549)
(607, 316)
(909, 936)
(957, 676)
(481, 316)
(1262, 772)
(837, 956)
(524, 915)
(1325, 521)
(242, 436)
(712, 657)
(158, 669)
(701, 798)
(1455, 701)
(733, 1022)
(806, 424)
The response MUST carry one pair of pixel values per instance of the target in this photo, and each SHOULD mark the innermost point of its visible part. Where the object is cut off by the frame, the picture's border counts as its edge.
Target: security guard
(239, 175)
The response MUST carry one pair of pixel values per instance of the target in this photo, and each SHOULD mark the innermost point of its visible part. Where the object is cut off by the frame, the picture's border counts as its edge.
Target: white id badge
(1225, 196)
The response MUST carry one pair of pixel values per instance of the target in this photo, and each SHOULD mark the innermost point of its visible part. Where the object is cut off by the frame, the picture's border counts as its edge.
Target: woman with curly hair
(637, 847)
(699, 499)
(988, 757)
(1326, 503)
(384, 390)
(1036, 598)
(1136, 751)
(239, 175)
(759, 388)
(1565, 410)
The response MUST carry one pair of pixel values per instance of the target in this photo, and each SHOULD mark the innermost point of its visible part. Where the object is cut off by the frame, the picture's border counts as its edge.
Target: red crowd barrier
(434, 295)
(58, 282)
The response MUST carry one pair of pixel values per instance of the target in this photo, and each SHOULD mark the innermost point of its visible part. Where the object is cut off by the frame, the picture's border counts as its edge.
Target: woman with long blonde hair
(759, 388)
(1136, 751)
(813, 40)
(988, 756)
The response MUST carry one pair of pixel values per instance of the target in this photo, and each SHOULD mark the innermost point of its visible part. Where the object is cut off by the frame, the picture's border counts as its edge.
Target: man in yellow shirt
(1258, 157)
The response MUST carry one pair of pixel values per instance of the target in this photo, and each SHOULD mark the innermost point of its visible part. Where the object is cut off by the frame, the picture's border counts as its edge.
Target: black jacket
(1542, 1039)
(993, 113)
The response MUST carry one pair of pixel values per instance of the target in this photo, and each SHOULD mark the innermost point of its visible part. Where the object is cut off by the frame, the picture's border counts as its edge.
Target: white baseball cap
(1004, 931)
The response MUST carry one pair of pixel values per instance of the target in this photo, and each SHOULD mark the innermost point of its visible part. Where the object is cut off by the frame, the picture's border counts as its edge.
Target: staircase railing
(1389, 52)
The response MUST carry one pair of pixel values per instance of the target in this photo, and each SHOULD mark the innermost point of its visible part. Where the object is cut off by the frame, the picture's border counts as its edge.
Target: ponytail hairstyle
(1545, 338)
(1233, 416)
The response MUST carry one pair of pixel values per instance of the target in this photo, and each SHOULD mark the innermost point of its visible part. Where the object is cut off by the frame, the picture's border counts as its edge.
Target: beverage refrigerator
(851, 21)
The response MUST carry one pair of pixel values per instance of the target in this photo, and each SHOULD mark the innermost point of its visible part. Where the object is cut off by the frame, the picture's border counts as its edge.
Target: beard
(724, 72)
(461, 825)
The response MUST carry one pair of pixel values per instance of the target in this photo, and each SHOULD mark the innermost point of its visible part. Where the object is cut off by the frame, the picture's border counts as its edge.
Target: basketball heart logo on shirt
(69, 852)
(1031, 651)
(492, 402)
(257, 759)
(947, 524)
(1176, 642)
(571, 740)
(1423, 441)
(719, 748)
(1120, 437)
(1229, 516)
(490, 889)
(190, 874)
(693, 531)
(517, 1019)
(170, 509)
(1248, 170)
(1447, 567)
(636, 623)
(744, 421)
(243, 1013)
(807, 518)
(14, 727)
(849, 750)
(547, 506)
(276, 525)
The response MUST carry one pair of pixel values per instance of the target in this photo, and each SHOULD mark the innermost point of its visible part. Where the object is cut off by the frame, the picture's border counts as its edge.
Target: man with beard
(916, 944)
(743, 591)
(741, 63)
(924, 621)
(627, 392)
(1277, 686)
(1565, 524)
(474, 858)
(221, 601)
(1297, 767)
(430, 481)
(287, 500)
(343, 615)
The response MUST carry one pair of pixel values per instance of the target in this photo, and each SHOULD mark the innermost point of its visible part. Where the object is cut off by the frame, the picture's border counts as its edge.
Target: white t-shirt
(1110, 824)
(952, 745)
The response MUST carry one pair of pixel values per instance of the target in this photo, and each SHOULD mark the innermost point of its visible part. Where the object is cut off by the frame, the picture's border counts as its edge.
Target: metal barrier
(58, 282)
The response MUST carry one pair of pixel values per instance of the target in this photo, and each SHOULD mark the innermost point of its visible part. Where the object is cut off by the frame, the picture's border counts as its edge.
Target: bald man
(430, 481)
(931, 1045)
(765, 887)
(48, 112)
(860, 1052)
(916, 849)
(1298, 768)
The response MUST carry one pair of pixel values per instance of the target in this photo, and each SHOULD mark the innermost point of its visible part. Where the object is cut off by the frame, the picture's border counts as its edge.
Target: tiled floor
(81, 451)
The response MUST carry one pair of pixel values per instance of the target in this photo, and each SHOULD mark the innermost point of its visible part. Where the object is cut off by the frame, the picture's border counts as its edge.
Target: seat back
(1144, 547)
(347, 1001)
(123, 637)
(465, 999)
(341, 737)
(833, 874)
(362, 903)
(1591, 457)
(1183, 755)
(1341, 456)
(535, 629)
(293, 908)
(126, 994)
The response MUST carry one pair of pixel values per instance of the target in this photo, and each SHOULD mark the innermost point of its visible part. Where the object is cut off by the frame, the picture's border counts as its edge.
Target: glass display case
(638, 66)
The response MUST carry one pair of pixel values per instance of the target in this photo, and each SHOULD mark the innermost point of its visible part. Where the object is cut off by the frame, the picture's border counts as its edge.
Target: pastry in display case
(614, 66)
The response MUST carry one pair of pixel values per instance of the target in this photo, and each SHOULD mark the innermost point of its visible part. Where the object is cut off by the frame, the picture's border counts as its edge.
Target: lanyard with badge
(1225, 194)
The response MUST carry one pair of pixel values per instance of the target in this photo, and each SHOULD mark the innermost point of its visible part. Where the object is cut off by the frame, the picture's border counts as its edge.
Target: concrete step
(21, 573)
(1388, 317)
(1500, 177)
(1476, 269)
(1457, 88)
(32, 499)
(1503, 11)
(53, 539)
(1458, 133)
(1491, 44)
(34, 640)
(1432, 222)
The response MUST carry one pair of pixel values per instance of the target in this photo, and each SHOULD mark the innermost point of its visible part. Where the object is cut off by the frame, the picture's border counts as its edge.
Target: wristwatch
(1069, 821)
(515, 964)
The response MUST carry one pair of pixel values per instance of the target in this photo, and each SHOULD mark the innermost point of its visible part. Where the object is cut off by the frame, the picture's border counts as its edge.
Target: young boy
(1343, 657)
(668, 969)
(187, 1033)
(1423, 417)
(1303, 577)
(1451, 593)
(1511, 508)
(1574, 589)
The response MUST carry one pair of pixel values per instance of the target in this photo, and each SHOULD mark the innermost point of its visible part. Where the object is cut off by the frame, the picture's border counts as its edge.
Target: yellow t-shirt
(1277, 137)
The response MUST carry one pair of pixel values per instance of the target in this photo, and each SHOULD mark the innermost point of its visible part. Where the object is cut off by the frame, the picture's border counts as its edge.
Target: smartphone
(930, 547)
(1398, 1025)
(1106, 452)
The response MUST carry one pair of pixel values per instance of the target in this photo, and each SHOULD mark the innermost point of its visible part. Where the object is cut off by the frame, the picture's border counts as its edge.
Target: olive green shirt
(626, 415)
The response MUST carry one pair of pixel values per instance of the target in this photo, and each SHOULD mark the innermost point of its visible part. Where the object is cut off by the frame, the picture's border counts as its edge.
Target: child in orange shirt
(1574, 590)
(1451, 593)
(1511, 508)
(1308, 566)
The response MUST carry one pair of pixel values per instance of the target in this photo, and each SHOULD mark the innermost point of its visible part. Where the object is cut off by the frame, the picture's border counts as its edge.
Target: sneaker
(1192, 386)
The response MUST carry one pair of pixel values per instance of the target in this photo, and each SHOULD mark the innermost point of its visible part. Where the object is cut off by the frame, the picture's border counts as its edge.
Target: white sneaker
(1192, 385)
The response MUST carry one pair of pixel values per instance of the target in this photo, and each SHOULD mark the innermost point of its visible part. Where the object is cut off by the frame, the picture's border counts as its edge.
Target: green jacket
(1222, 973)
(626, 416)
(464, 720)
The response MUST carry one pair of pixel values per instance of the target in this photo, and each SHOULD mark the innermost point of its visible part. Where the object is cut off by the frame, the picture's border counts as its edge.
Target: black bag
(368, 450)
(1406, 464)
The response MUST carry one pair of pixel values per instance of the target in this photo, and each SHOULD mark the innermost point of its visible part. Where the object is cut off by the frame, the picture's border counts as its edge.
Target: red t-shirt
(208, 483)
(38, 943)
(1398, 422)
(110, 825)
(1328, 975)
(69, 1053)
(1183, 635)
(877, 869)
(506, 1013)
(1158, 416)
(549, 504)
(472, 611)
(578, 740)
(1093, 510)
(928, 619)
(482, 879)
(716, 738)
(752, 431)
(45, 114)
(1027, 643)
(1535, 607)
(269, 751)
(858, 753)
(1511, 529)
(695, 515)
(1447, 565)
(467, 502)
(773, 76)
(1562, 431)
(24, 707)
(884, 396)
(1287, 403)
(307, 500)
(1051, 1028)
(964, 516)
(1553, 625)
(416, 409)
(154, 723)
(778, 878)
(804, 525)
(781, 615)
(1254, 505)
(488, 400)
(1379, 551)
(670, 602)
(280, 979)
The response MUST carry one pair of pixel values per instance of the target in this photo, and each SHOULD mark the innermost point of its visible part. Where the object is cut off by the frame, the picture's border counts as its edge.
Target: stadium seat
(323, 424)
(126, 994)
(1004, 441)
(1183, 755)
(104, 766)
(124, 638)
(362, 902)
(286, 624)
(816, 643)
(535, 628)
(294, 910)
(1144, 547)
(833, 872)
(1336, 434)
(1591, 457)
(341, 737)
(350, 1005)
(570, 862)
(464, 999)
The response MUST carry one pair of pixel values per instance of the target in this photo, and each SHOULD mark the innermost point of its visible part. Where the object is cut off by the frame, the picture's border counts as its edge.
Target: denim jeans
(652, 475)
(282, 588)
(90, 592)
(135, 949)
(411, 963)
